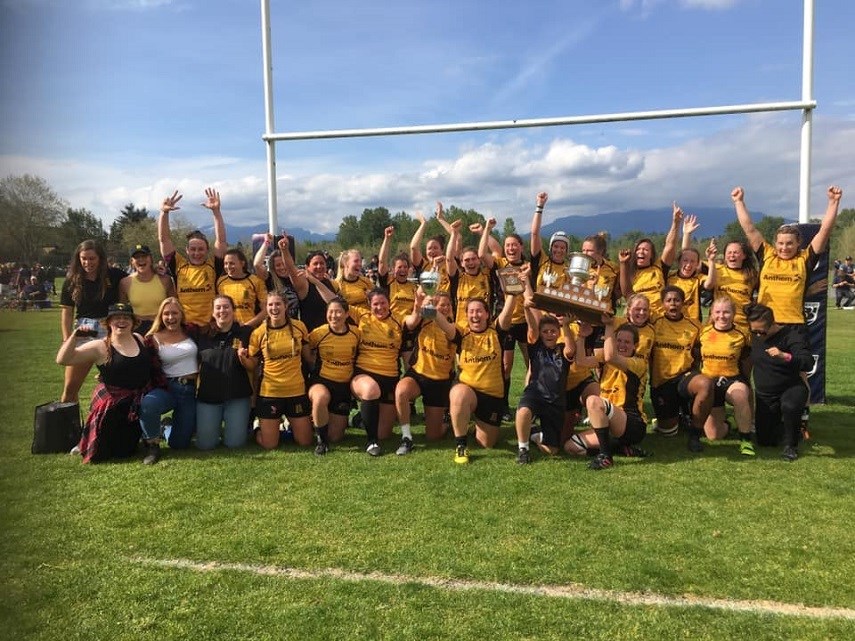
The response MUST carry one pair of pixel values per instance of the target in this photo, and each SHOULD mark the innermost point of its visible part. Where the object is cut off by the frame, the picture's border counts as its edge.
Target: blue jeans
(181, 399)
(233, 415)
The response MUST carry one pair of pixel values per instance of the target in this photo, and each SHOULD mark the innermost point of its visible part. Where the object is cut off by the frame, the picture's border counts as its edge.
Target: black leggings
(778, 418)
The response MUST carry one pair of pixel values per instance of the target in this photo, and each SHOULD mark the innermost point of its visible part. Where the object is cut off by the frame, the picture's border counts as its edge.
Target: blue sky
(116, 101)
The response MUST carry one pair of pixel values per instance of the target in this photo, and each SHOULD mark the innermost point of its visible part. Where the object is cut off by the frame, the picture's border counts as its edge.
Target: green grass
(712, 526)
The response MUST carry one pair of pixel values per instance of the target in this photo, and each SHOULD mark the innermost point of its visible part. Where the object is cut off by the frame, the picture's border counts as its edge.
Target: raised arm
(569, 346)
(258, 261)
(669, 251)
(610, 353)
(70, 354)
(583, 359)
(164, 236)
(326, 293)
(504, 319)
(416, 256)
(535, 242)
(712, 273)
(450, 260)
(385, 250)
(690, 226)
(212, 202)
(755, 238)
(624, 256)
(488, 246)
(820, 241)
(298, 277)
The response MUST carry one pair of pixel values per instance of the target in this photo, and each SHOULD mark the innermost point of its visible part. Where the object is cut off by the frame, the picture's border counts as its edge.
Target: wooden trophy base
(578, 300)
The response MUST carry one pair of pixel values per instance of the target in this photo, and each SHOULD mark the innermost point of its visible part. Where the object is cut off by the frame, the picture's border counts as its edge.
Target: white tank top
(179, 359)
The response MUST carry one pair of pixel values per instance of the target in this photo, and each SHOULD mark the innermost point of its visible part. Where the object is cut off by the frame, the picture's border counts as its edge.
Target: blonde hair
(157, 325)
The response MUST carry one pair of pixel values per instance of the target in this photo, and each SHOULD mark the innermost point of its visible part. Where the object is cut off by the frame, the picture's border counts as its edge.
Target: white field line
(572, 591)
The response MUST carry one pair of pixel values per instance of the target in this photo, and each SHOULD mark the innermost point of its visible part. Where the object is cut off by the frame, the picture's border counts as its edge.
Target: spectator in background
(848, 267)
(844, 288)
(32, 293)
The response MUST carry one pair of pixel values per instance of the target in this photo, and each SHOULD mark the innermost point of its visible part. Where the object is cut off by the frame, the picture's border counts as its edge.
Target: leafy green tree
(30, 212)
(349, 234)
(129, 214)
(509, 228)
(79, 225)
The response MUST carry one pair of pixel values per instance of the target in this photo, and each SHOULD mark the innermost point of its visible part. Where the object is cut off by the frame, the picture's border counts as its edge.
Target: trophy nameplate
(512, 282)
(579, 300)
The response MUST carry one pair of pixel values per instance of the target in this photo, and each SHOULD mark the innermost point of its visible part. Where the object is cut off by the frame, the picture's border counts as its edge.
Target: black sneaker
(790, 453)
(374, 449)
(695, 444)
(523, 456)
(600, 462)
(631, 451)
(405, 447)
(321, 448)
(507, 417)
(152, 454)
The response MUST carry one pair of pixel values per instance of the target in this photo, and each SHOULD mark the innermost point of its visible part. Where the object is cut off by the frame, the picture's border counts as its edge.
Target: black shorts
(387, 385)
(635, 430)
(434, 393)
(722, 384)
(551, 416)
(275, 407)
(341, 400)
(673, 394)
(489, 409)
(572, 397)
(514, 334)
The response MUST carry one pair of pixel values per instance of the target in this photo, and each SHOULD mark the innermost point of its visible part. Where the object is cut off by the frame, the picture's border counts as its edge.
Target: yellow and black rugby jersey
(691, 287)
(518, 317)
(354, 292)
(542, 264)
(625, 388)
(480, 361)
(336, 352)
(606, 276)
(427, 265)
(434, 352)
(195, 286)
(281, 349)
(645, 338)
(783, 283)
(673, 344)
(650, 281)
(739, 286)
(721, 351)
(576, 373)
(379, 344)
(248, 293)
(464, 287)
(402, 297)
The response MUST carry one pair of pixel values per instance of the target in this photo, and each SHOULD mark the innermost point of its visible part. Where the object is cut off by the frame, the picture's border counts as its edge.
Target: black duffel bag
(56, 427)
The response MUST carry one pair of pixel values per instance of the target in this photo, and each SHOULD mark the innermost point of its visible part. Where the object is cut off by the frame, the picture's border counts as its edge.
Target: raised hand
(170, 203)
(690, 224)
(676, 212)
(389, 231)
(476, 228)
(624, 255)
(712, 249)
(212, 201)
(835, 193)
(542, 197)
(439, 212)
(737, 195)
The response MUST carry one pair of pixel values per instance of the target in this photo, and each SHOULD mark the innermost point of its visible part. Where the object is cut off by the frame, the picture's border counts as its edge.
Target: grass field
(284, 545)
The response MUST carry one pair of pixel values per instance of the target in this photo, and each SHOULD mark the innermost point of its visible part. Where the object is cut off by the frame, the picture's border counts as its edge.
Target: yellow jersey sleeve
(783, 283)
(281, 349)
(195, 287)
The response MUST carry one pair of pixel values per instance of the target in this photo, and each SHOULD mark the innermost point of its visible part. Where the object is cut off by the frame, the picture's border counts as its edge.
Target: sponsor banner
(816, 314)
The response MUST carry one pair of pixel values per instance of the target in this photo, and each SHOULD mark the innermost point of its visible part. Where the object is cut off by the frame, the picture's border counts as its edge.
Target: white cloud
(498, 177)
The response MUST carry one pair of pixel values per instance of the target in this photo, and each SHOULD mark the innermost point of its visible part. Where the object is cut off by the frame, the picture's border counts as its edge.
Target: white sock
(405, 431)
(537, 437)
(522, 445)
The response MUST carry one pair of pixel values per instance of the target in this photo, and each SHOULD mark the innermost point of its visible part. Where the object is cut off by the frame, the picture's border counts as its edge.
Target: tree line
(39, 225)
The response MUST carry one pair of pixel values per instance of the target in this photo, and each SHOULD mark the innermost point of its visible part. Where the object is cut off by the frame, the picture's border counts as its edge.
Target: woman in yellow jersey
(430, 376)
(551, 269)
(334, 347)
(725, 357)
(616, 413)
(472, 281)
(145, 289)
(784, 268)
(434, 247)
(281, 344)
(580, 384)
(510, 254)
(641, 272)
(736, 277)
(247, 290)
(481, 382)
(376, 371)
(280, 274)
(401, 287)
(353, 285)
(689, 278)
(675, 380)
(638, 315)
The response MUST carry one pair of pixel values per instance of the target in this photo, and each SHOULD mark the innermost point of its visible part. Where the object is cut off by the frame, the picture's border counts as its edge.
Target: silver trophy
(578, 268)
(429, 281)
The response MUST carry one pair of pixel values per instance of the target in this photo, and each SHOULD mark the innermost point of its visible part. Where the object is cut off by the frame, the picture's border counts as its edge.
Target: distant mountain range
(650, 221)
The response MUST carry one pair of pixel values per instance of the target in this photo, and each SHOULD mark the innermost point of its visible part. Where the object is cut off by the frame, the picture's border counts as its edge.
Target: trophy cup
(574, 297)
(429, 281)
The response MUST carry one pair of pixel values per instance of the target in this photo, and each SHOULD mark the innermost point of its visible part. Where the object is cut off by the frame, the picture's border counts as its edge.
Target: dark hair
(749, 265)
(440, 238)
(673, 288)
(788, 228)
(339, 301)
(236, 251)
(404, 257)
(759, 312)
(376, 291)
(599, 242)
(633, 266)
(76, 274)
(546, 319)
(197, 234)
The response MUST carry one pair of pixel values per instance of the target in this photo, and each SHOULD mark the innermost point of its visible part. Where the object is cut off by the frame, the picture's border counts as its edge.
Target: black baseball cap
(140, 249)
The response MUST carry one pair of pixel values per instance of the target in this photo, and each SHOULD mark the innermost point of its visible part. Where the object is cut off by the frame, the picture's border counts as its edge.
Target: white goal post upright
(807, 104)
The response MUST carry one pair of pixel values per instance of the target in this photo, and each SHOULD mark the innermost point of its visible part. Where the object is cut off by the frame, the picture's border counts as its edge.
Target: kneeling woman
(725, 360)
(333, 350)
(128, 369)
(280, 343)
(617, 412)
(376, 373)
(482, 384)
(430, 376)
